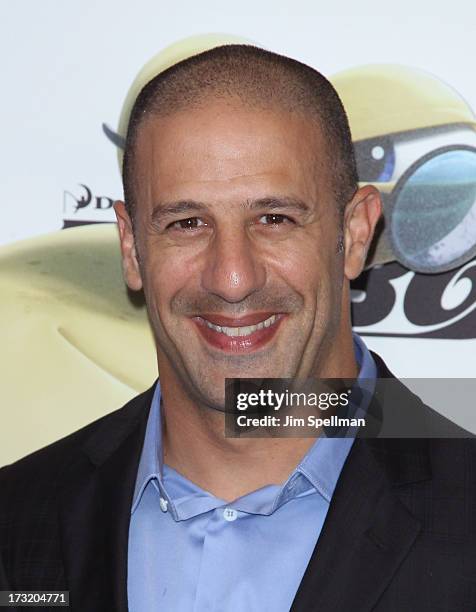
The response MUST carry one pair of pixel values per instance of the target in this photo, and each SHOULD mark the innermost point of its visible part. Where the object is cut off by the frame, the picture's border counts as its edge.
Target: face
(236, 246)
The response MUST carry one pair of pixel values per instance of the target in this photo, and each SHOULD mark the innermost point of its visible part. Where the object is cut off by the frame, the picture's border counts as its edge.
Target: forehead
(223, 149)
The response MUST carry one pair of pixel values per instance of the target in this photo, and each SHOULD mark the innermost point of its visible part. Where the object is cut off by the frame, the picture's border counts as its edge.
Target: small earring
(340, 244)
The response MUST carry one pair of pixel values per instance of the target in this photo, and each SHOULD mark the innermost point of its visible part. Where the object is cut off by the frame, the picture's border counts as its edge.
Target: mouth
(238, 335)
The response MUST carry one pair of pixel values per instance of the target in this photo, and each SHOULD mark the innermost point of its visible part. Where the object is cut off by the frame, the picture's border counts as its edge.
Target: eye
(375, 159)
(187, 224)
(274, 219)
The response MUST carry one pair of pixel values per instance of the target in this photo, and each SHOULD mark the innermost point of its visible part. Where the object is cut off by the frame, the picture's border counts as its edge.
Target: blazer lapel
(367, 532)
(95, 502)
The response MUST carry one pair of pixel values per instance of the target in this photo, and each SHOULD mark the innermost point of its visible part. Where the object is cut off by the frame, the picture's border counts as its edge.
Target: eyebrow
(277, 203)
(172, 209)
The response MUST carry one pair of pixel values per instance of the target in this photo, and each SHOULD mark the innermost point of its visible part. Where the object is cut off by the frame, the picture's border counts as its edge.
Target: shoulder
(397, 412)
(442, 461)
(34, 489)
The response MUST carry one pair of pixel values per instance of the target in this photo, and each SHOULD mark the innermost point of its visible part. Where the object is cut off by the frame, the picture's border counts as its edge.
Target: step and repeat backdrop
(75, 344)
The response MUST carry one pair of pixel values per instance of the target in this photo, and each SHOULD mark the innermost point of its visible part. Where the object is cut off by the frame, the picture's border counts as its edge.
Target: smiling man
(243, 223)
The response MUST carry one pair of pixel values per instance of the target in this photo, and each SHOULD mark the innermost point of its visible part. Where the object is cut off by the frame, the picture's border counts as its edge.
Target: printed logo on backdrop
(390, 300)
(83, 207)
(415, 139)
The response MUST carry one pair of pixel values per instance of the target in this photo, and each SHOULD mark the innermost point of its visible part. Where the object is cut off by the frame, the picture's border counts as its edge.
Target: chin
(212, 399)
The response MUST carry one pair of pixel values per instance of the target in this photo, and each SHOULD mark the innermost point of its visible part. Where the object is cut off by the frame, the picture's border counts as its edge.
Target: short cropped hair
(257, 78)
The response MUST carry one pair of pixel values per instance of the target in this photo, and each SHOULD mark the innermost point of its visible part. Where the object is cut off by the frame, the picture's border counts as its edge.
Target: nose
(233, 268)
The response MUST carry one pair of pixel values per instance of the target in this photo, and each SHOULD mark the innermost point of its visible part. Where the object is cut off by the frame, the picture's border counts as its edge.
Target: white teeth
(241, 331)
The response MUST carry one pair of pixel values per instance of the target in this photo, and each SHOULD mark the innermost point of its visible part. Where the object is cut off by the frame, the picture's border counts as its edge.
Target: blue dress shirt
(192, 552)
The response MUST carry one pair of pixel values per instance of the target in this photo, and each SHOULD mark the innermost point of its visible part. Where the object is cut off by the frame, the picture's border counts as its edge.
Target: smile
(245, 334)
(247, 330)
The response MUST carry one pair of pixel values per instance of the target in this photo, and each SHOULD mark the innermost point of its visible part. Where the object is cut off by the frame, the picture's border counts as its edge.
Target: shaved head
(255, 78)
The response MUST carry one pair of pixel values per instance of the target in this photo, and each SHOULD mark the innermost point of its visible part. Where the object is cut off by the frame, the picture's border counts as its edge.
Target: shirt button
(229, 514)
(163, 504)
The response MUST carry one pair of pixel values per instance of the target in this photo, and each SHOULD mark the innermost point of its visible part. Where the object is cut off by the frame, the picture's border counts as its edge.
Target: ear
(360, 218)
(130, 263)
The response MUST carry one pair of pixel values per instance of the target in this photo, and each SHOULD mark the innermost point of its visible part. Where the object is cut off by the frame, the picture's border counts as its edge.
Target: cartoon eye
(427, 179)
(433, 215)
(375, 159)
(386, 158)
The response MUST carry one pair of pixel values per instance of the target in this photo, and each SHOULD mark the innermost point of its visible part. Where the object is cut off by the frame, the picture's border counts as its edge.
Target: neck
(194, 443)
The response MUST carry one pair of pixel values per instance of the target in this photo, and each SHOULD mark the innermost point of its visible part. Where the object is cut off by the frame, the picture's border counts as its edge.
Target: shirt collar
(320, 466)
(150, 465)
(324, 461)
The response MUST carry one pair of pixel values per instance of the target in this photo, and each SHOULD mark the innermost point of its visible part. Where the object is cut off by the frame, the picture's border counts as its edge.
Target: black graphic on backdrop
(423, 305)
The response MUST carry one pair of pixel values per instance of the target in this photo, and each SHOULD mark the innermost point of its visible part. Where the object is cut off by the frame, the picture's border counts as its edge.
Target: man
(243, 223)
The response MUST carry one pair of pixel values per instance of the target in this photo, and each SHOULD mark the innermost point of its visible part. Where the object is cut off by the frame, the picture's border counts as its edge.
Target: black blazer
(399, 535)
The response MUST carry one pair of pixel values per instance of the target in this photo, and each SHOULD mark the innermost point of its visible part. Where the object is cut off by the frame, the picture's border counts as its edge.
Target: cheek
(169, 271)
(303, 265)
